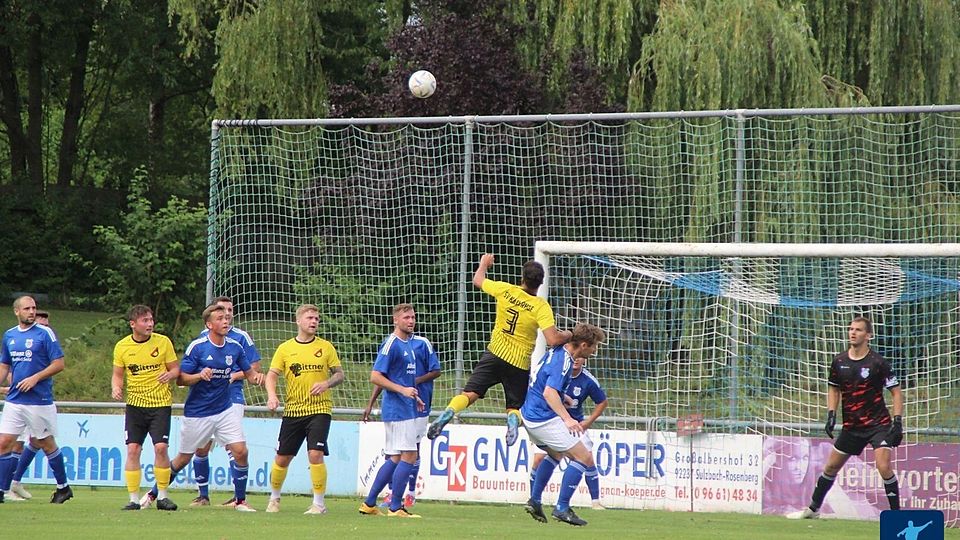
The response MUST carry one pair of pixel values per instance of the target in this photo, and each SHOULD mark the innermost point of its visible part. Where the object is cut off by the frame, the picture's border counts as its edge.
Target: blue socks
(201, 473)
(592, 478)
(571, 479)
(414, 472)
(384, 477)
(26, 459)
(7, 464)
(239, 480)
(401, 475)
(59, 471)
(543, 474)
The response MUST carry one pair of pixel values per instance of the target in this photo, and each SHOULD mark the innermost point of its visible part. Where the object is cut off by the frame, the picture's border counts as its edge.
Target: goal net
(743, 334)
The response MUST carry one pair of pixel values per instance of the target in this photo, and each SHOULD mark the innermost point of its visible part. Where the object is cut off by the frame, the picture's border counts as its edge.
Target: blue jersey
(28, 352)
(427, 361)
(554, 370)
(580, 388)
(207, 398)
(400, 361)
(253, 355)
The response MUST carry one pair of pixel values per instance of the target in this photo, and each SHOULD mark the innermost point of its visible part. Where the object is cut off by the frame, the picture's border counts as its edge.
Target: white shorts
(237, 409)
(225, 428)
(552, 434)
(40, 421)
(423, 423)
(584, 438)
(403, 435)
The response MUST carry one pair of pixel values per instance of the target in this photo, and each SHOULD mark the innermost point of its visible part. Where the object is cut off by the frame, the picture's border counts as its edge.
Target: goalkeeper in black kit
(857, 379)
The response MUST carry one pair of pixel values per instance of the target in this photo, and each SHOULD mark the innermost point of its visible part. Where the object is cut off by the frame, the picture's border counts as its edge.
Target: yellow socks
(133, 480)
(459, 403)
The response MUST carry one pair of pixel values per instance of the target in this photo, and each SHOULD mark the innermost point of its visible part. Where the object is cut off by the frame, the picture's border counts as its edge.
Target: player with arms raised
(520, 312)
(857, 379)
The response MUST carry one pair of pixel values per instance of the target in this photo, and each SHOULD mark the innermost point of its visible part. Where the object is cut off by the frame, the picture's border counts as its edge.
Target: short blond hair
(587, 333)
(19, 300)
(305, 308)
(400, 308)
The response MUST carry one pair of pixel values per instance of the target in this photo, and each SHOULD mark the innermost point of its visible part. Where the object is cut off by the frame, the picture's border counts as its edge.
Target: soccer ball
(422, 84)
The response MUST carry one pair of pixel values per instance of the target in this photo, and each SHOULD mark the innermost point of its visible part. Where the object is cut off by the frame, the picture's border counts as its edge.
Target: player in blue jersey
(582, 385)
(552, 428)
(396, 371)
(25, 449)
(428, 369)
(33, 355)
(201, 462)
(206, 368)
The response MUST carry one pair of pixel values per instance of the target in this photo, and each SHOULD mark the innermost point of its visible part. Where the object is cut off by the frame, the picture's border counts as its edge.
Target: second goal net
(744, 333)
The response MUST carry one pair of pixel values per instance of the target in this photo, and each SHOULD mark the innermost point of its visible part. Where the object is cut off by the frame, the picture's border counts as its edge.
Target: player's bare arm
(271, 385)
(116, 383)
(897, 395)
(254, 376)
(427, 377)
(171, 374)
(556, 403)
(382, 381)
(190, 379)
(56, 366)
(597, 411)
(365, 417)
(556, 338)
(486, 261)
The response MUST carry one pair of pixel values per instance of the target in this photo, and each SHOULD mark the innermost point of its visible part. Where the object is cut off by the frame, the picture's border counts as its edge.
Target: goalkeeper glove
(831, 422)
(895, 435)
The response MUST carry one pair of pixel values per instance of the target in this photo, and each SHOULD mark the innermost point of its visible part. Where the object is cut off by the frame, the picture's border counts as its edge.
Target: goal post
(744, 333)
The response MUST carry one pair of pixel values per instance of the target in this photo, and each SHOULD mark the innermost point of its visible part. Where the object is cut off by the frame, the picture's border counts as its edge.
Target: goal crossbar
(678, 249)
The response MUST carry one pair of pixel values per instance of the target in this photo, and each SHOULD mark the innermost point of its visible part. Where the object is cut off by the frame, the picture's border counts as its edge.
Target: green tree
(154, 257)
(899, 53)
(277, 58)
(608, 33)
(713, 54)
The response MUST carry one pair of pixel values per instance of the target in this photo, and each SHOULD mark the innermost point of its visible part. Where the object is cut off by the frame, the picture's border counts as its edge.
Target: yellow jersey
(143, 363)
(519, 315)
(303, 365)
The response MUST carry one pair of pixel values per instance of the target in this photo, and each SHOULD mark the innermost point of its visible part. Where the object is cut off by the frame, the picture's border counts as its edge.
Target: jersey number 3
(512, 321)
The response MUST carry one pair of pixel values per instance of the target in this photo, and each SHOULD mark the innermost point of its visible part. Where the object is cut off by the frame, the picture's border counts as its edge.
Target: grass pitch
(95, 513)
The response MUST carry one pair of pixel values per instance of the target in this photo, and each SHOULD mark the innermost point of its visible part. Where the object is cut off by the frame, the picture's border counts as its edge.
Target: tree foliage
(899, 53)
(154, 257)
(712, 54)
(607, 34)
(276, 59)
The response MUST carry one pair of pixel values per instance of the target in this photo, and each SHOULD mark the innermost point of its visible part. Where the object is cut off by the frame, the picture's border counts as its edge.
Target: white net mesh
(747, 344)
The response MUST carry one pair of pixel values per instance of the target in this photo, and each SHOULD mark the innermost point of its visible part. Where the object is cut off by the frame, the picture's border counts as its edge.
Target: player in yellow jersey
(520, 312)
(149, 363)
(310, 367)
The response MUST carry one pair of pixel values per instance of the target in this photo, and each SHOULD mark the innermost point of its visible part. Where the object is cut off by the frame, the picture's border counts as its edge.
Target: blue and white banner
(94, 451)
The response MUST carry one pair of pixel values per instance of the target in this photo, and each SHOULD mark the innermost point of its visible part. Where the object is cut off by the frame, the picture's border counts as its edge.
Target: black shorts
(138, 421)
(492, 370)
(294, 429)
(853, 442)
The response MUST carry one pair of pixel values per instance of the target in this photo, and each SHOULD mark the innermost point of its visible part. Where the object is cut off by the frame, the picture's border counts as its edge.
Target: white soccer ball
(422, 84)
